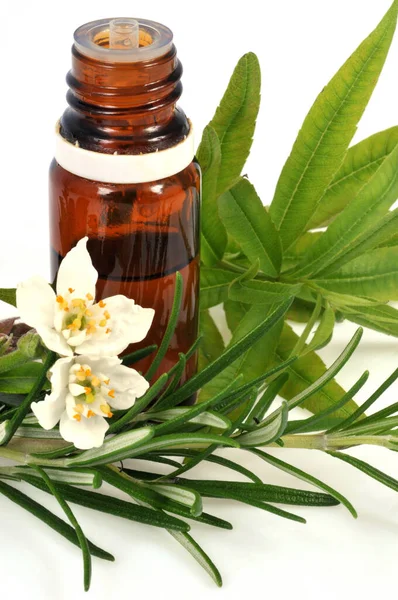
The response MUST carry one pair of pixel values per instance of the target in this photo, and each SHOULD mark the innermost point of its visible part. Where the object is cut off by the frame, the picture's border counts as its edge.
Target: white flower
(70, 321)
(84, 390)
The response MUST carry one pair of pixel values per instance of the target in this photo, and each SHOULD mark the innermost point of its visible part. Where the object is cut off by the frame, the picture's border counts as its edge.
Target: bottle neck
(124, 107)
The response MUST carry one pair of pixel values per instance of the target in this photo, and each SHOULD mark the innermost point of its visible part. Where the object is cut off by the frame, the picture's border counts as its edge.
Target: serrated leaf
(374, 274)
(304, 372)
(213, 235)
(381, 318)
(295, 253)
(320, 147)
(214, 284)
(360, 164)
(245, 219)
(355, 222)
(324, 331)
(261, 292)
(212, 344)
(235, 119)
(255, 361)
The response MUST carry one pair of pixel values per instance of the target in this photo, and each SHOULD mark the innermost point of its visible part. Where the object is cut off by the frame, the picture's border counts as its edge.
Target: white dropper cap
(124, 34)
(123, 40)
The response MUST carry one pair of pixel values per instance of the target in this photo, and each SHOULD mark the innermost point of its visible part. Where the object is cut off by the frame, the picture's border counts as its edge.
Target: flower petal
(77, 272)
(84, 434)
(129, 323)
(49, 410)
(54, 341)
(128, 385)
(60, 375)
(105, 365)
(36, 302)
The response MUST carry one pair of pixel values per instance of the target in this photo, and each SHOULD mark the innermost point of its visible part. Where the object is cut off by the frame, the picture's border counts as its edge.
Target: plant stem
(325, 442)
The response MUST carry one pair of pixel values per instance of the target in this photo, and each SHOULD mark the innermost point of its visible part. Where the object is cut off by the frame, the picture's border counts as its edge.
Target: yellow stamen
(90, 398)
(71, 290)
(106, 314)
(110, 414)
(89, 297)
(106, 381)
(78, 302)
(105, 408)
(87, 372)
(102, 323)
(79, 408)
(90, 414)
(108, 330)
(102, 304)
(77, 417)
(88, 313)
(60, 300)
(111, 393)
(95, 381)
(87, 390)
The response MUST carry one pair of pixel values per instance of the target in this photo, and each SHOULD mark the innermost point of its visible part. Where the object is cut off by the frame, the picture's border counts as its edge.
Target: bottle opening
(123, 40)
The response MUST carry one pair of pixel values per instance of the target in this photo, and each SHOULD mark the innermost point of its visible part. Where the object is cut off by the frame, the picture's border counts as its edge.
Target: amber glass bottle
(124, 174)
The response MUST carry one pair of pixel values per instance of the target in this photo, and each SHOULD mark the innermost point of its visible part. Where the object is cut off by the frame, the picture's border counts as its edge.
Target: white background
(300, 46)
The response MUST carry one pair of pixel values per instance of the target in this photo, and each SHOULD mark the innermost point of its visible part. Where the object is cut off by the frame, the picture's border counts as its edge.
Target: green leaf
(214, 284)
(182, 440)
(261, 292)
(229, 356)
(50, 519)
(133, 357)
(324, 332)
(245, 219)
(287, 468)
(115, 448)
(374, 274)
(256, 491)
(304, 372)
(355, 222)
(175, 417)
(320, 147)
(295, 253)
(181, 495)
(265, 434)
(8, 295)
(75, 524)
(198, 554)
(69, 476)
(171, 325)
(235, 119)
(214, 237)
(360, 164)
(368, 470)
(255, 361)
(20, 379)
(380, 318)
(212, 344)
(148, 497)
(112, 506)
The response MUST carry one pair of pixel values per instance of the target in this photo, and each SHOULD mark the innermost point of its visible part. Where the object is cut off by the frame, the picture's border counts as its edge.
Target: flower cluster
(89, 381)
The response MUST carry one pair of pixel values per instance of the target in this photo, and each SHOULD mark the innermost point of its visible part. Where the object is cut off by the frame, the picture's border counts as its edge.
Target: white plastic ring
(124, 168)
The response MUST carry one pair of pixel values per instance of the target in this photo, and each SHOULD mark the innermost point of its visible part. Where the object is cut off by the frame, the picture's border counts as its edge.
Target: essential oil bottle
(124, 174)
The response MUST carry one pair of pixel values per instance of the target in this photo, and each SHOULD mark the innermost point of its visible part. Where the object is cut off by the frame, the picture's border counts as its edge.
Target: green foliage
(322, 142)
(235, 119)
